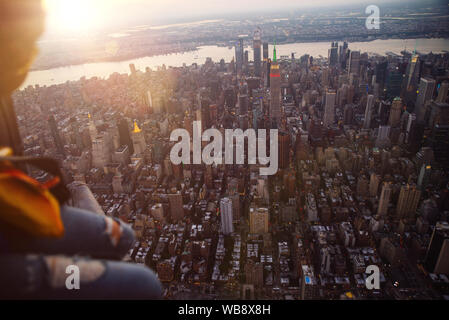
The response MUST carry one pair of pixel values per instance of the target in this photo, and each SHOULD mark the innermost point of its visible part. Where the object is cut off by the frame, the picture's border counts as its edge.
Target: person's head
(21, 23)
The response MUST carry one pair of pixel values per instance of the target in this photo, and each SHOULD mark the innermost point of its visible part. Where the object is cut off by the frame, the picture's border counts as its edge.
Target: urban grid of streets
(362, 177)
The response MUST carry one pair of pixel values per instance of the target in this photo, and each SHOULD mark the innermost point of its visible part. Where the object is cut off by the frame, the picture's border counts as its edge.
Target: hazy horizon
(100, 15)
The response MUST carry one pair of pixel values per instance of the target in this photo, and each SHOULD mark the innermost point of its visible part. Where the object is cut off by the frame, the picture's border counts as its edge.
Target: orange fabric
(28, 205)
(114, 230)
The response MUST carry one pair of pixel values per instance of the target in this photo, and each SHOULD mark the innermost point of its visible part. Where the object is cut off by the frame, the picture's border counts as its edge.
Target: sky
(66, 16)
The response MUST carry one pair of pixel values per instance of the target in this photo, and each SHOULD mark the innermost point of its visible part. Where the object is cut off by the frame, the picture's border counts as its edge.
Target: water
(104, 69)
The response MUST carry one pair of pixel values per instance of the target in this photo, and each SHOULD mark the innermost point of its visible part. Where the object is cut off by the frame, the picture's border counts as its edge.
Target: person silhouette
(84, 263)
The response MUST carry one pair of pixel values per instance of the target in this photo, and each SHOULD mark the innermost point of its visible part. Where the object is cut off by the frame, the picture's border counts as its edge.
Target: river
(104, 69)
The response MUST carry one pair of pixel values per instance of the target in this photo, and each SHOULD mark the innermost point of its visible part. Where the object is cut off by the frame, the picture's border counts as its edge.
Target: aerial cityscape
(362, 148)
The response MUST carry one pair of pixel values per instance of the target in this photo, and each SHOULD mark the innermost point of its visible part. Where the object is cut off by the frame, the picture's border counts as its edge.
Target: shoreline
(138, 56)
(112, 59)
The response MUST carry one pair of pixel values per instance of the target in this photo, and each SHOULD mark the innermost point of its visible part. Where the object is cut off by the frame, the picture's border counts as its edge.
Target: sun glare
(76, 17)
(71, 15)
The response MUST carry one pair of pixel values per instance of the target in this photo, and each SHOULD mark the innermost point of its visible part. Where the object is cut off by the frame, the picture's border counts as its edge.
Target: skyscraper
(284, 149)
(354, 62)
(383, 136)
(204, 104)
(275, 89)
(393, 84)
(239, 55)
(92, 127)
(382, 112)
(267, 73)
(100, 152)
(384, 199)
(149, 99)
(243, 104)
(132, 68)
(437, 256)
(411, 80)
(266, 66)
(439, 114)
(424, 175)
(333, 54)
(374, 184)
(342, 55)
(265, 51)
(226, 216)
(125, 137)
(381, 73)
(56, 137)
(440, 132)
(138, 139)
(257, 53)
(176, 208)
(329, 108)
(348, 114)
(235, 206)
(258, 220)
(395, 112)
(408, 201)
(411, 123)
(425, 93)
(442, 91)
(368, 111)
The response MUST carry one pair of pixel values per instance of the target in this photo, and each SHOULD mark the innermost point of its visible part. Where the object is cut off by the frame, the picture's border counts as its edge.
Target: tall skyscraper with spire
(275, 89)
(239, 55)
(257, 53)
(411, 82)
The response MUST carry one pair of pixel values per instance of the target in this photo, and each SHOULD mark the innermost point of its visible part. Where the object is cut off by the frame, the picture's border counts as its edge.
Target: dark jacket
(9, 132)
